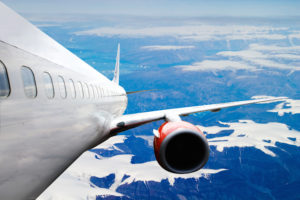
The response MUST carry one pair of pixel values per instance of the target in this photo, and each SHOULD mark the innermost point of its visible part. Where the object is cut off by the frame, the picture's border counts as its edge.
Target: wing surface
(129, 121)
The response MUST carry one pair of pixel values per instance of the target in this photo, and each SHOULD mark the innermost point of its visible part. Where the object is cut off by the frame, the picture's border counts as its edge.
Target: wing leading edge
(129, 121)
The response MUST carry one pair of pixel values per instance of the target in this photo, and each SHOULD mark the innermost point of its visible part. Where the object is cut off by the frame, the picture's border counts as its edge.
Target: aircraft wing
(129, 121)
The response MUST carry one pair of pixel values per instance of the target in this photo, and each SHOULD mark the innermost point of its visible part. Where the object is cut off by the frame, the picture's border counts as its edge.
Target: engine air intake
(181, 147)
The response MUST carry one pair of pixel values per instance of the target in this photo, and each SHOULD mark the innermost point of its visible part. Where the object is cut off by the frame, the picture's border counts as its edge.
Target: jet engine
(180, 147)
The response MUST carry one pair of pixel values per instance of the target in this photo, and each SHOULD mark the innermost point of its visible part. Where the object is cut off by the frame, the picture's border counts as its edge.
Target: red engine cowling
(181, 147)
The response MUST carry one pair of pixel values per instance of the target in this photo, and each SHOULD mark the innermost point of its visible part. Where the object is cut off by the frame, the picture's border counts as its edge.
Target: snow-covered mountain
(254, 149)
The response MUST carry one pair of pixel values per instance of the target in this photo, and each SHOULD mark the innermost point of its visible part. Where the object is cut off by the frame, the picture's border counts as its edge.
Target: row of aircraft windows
(78, 89)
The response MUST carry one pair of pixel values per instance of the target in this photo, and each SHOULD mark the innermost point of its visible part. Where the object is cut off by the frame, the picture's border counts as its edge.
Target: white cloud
(247, 133)
(273, 64)
(165, 47)
(199, 32)
(265, 52)
(266, 56)
(250, 36)
(255, 57)
(246, 54)
(275, 48)
(235, 36)
(295, 35)
(288, 56)
(216, 65)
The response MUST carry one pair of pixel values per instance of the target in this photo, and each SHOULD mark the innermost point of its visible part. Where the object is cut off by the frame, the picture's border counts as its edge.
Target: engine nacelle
(181, 147)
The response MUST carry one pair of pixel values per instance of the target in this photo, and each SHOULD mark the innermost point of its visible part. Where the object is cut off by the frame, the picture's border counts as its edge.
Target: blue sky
(259, 8)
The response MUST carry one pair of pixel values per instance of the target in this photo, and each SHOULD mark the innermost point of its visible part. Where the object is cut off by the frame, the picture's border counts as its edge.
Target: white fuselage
(41, 137)
(42, 134)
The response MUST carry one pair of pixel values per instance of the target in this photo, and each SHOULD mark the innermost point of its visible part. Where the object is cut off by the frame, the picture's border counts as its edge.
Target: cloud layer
(199, 32)
(166, 47)
(216, 65)
(256, 57)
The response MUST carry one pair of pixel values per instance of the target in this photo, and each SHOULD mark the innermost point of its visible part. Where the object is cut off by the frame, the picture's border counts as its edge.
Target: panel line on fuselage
(40, 136)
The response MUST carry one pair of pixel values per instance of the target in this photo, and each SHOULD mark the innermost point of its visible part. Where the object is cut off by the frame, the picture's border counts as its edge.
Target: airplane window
(72, 86)
(104, 92)
(4, 83)
(80, 90)
(92, 91)
(96, 92)
(62, 87)
(86, 90)
(28, 82)
(48, 83)
(100, 92)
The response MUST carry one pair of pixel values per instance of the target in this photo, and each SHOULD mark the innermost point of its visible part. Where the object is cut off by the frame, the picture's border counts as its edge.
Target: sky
(235, 8)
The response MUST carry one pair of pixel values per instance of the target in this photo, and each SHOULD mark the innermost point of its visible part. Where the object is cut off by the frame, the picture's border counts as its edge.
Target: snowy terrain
(254, 149)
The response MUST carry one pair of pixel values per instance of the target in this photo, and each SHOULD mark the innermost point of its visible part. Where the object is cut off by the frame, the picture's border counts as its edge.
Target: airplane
(54, 107)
